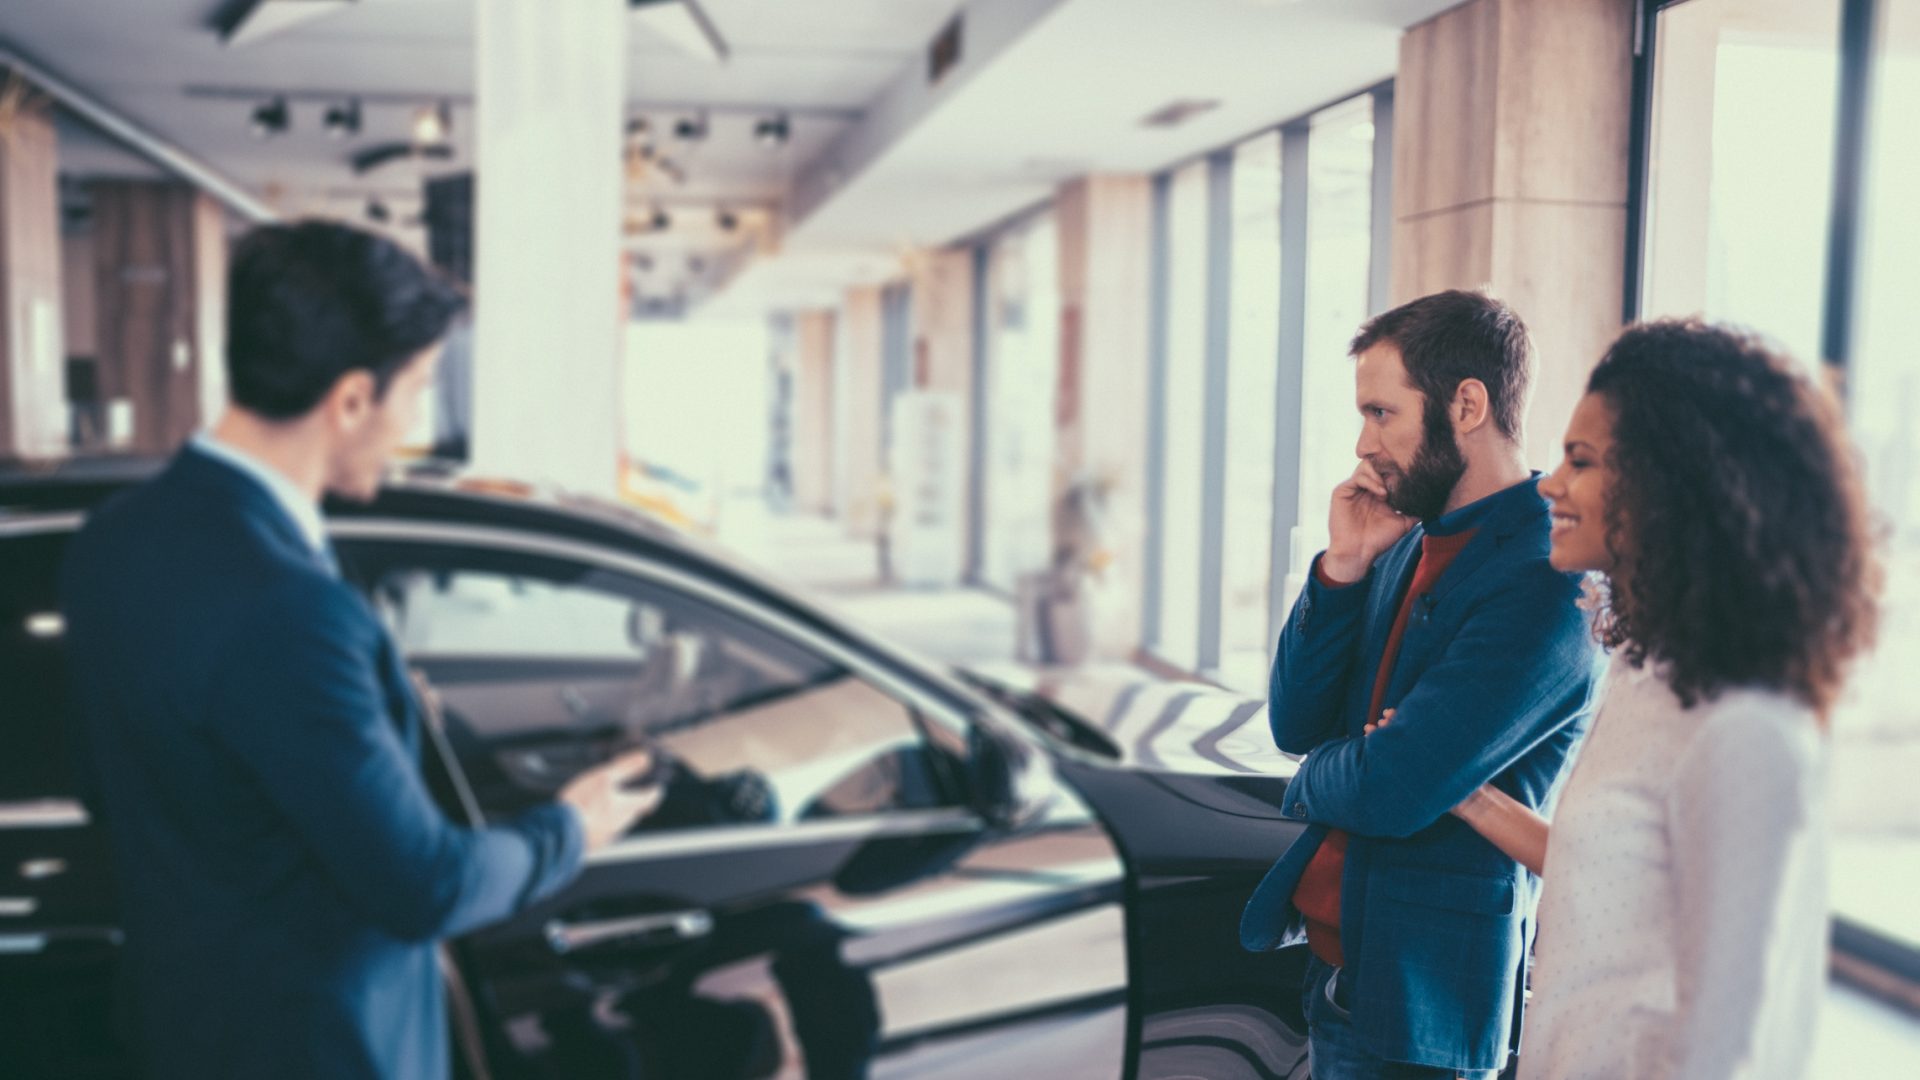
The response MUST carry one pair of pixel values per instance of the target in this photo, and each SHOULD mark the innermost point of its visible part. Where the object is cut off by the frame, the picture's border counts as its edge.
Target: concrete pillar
(33, 415)
(549, 104)
(861, 495)
(1105, 229)
(1510, 171)
(160, 262)
(943, 353)
(813, 413)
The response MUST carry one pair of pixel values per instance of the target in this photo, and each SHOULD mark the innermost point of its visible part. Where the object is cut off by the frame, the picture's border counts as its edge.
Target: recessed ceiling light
(433, 125)
(46, 625)
(1175, 113)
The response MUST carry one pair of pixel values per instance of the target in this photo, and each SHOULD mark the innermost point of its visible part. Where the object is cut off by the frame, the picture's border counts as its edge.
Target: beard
(1421, 490)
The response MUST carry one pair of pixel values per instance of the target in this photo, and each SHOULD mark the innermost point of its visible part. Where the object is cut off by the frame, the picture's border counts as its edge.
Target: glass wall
(1339, 258)
(1877, 860)
(1334, 226)
(1741, 165)
(1178, 639)
(1253, 349)
(1742, 152)
(1023, 333)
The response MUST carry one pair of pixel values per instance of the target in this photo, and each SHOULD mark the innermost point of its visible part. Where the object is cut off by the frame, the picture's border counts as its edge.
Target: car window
(545, 666)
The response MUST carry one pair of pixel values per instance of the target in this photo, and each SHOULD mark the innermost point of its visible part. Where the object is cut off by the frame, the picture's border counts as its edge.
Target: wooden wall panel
(33, 413)
(146, 258)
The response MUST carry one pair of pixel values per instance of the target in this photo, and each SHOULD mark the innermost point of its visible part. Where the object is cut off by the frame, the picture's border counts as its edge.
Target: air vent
(1175, 113)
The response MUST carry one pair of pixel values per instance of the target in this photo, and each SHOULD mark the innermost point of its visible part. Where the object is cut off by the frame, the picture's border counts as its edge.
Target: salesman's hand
(607, 806)
(1360, 525)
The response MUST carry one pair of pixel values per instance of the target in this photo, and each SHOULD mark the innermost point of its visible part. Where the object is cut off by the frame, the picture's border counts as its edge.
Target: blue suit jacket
(1491, 684)
(253, 743)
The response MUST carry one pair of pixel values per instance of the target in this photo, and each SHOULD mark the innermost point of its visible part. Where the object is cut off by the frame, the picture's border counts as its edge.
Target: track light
(691, 128)
(638, 126)
(433, 124)
(772, 131)
(662, 221)
(343, 120)
(377, 211)
(270, 119)
(726, 219)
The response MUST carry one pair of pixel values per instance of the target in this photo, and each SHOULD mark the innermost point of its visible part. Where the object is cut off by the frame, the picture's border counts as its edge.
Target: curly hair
(1745, 548)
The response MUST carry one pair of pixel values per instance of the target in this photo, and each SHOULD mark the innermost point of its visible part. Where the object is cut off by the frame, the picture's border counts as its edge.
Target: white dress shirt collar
(304, 511)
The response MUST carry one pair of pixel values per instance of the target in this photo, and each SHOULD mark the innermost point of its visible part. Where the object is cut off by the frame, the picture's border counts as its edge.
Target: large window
(1253, 351)
(1178, 640)
(1741, 165)
(1023, 356)
(1878, 743)
(1339, 250)
(1749, 117)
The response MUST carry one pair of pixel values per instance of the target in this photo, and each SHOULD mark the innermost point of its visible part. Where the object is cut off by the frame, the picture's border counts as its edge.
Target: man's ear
(352, 400)
(1470, 409)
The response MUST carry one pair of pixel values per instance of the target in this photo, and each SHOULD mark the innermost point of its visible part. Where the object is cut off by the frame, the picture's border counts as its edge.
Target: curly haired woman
(1684, 919)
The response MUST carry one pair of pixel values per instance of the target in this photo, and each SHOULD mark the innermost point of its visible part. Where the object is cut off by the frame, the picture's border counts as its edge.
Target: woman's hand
(1509, 824)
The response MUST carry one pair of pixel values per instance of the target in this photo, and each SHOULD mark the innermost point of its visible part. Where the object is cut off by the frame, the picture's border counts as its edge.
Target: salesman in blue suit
(248, 727)
(1434, 599)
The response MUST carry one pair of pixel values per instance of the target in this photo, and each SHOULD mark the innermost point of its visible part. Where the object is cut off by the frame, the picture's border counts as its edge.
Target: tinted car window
(546, 665)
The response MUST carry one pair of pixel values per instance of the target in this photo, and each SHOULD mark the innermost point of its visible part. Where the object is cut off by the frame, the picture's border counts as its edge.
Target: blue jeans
(1333, 1047)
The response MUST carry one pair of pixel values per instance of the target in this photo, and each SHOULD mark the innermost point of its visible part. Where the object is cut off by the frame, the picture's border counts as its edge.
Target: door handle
(570, 937)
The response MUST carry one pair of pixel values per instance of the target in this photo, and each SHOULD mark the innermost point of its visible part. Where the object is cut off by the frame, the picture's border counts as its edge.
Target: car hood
(1182, 727)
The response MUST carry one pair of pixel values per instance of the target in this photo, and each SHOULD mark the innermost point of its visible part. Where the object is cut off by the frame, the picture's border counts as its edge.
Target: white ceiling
(1061, 93)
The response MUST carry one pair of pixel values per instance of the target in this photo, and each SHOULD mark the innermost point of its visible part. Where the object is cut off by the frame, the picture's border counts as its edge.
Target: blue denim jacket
(1491, 684)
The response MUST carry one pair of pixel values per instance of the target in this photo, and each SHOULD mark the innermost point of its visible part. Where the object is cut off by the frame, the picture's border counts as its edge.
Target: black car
(864, 865)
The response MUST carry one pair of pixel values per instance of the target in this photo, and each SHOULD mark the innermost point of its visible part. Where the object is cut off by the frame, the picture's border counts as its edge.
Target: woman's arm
(1509, 824)
(1506, 822)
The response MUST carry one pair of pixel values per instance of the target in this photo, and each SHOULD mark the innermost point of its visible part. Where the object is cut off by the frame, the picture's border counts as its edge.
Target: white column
(549, 108)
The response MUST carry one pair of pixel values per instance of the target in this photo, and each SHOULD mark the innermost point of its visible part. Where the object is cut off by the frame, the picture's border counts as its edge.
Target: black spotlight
(661, 220)
(377, 211)
(638, 126)
(772, 131)
(726, 219)
(270, 119)
(691, 128)
(343, 121)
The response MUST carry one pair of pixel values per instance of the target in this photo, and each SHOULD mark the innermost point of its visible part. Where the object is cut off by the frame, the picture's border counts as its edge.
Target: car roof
(439, 493)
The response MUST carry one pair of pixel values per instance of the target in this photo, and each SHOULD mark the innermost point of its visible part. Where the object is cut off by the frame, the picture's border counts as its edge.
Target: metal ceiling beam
(136, 137)
(420, 97)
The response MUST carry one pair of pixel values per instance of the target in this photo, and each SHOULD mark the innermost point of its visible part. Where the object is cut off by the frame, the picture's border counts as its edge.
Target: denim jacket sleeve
(1500, 687)
(1314, 661)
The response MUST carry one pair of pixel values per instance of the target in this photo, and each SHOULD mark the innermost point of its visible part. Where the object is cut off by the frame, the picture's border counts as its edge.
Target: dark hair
(308, 303)
(1450, 337)
(1738, 515)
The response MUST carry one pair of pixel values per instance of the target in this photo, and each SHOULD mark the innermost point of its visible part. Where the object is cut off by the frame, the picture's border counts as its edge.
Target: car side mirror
(1011, 781)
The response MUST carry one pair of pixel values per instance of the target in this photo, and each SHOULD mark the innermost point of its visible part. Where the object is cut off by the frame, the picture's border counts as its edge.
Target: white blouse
(1683, 917)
